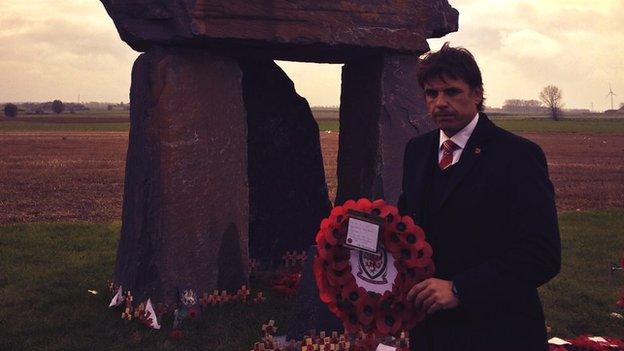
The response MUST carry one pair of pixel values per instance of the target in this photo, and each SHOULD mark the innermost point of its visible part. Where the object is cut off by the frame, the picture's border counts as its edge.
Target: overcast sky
(62, 48)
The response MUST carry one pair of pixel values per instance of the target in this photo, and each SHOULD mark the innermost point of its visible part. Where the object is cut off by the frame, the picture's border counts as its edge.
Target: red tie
(448, 147)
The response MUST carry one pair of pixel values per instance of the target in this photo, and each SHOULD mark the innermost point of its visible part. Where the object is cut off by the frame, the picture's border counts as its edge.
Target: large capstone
(303, 30)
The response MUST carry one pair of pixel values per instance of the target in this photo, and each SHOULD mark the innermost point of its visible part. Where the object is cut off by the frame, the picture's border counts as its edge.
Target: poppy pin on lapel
(477, 150)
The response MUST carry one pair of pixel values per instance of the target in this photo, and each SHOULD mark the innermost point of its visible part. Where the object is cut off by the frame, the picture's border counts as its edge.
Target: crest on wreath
(373, 267)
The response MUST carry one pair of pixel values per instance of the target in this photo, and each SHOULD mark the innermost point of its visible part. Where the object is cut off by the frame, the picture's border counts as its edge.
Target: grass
(580, 299)
(101, 121)
(45, 305)
(576, 125)
(48, 268)
(524, 125)
(19, 126)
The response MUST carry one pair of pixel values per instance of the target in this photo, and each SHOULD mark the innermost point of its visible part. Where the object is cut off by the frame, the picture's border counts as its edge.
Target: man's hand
(433, 294)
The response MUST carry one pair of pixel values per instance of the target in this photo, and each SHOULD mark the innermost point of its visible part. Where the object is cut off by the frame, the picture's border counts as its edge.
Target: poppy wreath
(358, 309)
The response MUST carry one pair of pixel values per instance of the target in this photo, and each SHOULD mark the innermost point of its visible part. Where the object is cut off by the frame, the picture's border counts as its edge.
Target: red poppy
(350, 322)
(414, 275)
(176, 335)
(382, 315)
(392, 241)
(413, 236)
(388, 322)
(337, 217)
(377, 206)
(620, 301)
(417, 256)
(390, 214)
(366, 308)
(193, 313)
(335, 255)
(325, 249)
(327, 293)
(336, 236)
(354, 294)
(349, 204)
(338, 278)
(363, 205)
(405, 223)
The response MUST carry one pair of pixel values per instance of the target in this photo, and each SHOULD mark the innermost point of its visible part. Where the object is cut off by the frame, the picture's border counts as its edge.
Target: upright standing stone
(380, 110)
(287, 189)
(185, 214)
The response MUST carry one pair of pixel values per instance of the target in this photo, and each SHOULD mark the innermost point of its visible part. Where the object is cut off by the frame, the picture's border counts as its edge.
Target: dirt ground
(73, 176)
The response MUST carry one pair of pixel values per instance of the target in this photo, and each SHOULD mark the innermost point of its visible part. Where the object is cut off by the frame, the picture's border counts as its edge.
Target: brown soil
(74, 176)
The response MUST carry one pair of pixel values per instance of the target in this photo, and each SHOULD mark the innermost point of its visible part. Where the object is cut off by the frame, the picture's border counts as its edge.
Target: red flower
(388, 322)
(620, 301)
(176, 335)
(337, 278)
(417, 256)
(350, 322)
(335, 236)
(336, 283)
(337, 217)
(349, 204)
(392, 241)
(366, 309)
(390, 214)
(364, 205)
(377, 206)
(193, 313)
(413, 236)
(414, 275)
(354, 294)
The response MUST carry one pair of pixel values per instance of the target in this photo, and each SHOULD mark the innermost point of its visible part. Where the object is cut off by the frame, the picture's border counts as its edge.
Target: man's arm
(534, 254)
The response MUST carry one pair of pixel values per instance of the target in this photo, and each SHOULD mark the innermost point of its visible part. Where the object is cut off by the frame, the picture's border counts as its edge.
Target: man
(486, 203)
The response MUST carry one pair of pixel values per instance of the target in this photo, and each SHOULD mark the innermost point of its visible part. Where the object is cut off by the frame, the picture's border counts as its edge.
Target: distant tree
(551, 97)
(522, 106)
(10, 110)
(57, 106)
(109, 107)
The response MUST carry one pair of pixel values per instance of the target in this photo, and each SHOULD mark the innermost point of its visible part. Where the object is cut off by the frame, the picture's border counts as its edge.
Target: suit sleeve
(533, 255)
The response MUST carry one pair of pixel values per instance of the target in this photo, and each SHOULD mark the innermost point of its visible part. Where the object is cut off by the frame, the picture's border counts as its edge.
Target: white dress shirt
(460, 138)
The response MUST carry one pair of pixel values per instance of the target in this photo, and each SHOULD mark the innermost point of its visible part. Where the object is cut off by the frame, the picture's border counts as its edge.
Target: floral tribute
(190, 307)
(328, 342)
(367, 311)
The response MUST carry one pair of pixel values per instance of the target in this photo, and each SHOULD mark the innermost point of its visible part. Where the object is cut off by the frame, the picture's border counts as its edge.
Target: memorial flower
(403, 241)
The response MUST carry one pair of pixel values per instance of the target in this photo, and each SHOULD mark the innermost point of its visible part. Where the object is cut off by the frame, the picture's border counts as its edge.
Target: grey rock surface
(304, 30)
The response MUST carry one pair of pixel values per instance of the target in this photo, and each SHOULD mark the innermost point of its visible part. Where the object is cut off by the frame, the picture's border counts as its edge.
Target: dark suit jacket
(495, 235)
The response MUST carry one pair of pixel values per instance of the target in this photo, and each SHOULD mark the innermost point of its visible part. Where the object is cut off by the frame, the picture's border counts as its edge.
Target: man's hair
(455, 63)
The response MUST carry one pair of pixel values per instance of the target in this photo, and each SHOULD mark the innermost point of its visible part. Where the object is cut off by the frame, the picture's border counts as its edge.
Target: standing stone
(185, 214)
(309, 312)
(287, 189)
(381, 108)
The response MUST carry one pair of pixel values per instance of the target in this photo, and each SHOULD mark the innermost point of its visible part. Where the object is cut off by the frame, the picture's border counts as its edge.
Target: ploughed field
(78, 176)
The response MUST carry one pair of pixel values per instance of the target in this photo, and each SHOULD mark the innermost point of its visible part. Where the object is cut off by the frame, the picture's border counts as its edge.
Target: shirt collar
(461, 138)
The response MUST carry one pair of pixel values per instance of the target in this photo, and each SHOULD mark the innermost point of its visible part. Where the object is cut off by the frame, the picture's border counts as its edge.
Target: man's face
(451, 103)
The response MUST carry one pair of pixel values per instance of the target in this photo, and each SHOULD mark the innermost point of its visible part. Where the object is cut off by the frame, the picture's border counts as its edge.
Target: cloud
(523, 45)
(59, 49)
(62, 48)
(531, 44)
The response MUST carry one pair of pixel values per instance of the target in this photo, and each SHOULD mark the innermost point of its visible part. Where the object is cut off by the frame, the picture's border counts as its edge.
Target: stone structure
(224, 157)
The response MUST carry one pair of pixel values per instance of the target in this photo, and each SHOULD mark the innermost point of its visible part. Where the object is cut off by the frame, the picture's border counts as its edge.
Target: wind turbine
(612, 95)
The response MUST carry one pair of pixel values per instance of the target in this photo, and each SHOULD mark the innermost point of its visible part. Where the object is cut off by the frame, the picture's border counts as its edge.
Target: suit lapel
(469, 157)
